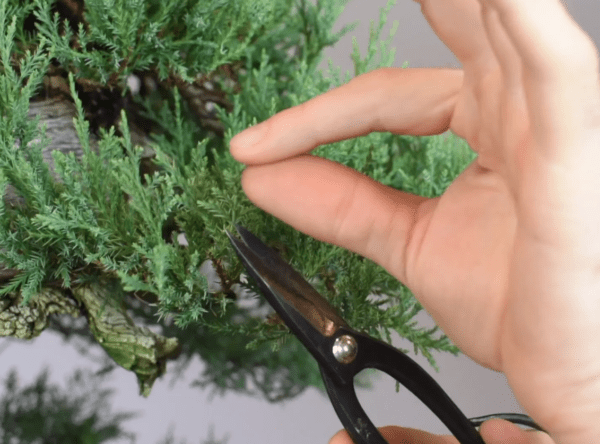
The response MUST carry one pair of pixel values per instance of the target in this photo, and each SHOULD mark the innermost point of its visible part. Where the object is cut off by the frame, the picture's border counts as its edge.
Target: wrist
(575, 428)
(569, 416)
(564, 403)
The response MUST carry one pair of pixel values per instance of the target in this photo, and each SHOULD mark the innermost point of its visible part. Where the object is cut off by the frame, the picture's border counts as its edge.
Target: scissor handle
(371, 353)
(351, 414)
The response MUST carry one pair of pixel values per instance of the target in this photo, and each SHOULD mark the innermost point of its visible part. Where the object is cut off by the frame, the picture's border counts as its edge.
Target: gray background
(309, 418)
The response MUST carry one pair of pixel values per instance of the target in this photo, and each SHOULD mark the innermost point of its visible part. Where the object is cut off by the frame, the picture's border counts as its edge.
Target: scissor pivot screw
(345, 349)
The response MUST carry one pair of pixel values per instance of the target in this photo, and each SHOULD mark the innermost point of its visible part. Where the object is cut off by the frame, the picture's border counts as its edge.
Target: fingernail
(250, 136)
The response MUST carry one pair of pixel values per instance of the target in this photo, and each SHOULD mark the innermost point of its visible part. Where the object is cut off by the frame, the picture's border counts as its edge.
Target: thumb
(499, 431)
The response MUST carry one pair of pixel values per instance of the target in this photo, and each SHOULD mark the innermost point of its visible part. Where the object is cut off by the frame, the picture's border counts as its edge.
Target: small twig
(224, 281)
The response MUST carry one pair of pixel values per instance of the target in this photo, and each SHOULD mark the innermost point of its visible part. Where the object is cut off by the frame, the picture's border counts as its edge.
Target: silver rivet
(345, 349)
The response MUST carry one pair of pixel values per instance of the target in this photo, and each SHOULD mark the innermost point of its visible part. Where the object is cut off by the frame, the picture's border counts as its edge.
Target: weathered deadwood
(57, 116)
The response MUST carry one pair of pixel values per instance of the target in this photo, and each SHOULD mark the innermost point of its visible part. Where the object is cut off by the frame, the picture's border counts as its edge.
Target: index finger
(402, 101)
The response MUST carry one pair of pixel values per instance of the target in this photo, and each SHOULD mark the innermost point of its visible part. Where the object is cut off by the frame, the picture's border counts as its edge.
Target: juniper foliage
(95, 217)
(46, 412)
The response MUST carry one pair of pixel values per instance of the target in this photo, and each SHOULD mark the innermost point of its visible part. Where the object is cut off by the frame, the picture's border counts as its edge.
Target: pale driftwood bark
(135, 348)
(57, 116)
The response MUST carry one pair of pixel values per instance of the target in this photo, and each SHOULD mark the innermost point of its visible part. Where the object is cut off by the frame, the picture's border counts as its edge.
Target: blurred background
(193, 414)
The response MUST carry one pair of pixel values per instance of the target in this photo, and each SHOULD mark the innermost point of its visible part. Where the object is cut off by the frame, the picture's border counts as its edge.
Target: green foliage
(102, 217)
(182, 37)
(379, 52)
(44, 412)
(28, 175)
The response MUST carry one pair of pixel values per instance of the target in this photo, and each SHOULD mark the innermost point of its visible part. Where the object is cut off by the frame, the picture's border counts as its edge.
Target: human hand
(506, 260)
(494, 431)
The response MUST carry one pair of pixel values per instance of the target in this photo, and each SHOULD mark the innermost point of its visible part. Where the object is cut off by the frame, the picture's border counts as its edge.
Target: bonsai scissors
(343, 352)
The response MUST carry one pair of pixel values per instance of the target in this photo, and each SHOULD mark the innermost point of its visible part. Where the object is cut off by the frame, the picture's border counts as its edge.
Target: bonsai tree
(118, 184)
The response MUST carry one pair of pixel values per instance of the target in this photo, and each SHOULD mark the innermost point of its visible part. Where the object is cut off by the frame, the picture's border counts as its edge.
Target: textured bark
(132, 347)
(28, 321)
(57, 116)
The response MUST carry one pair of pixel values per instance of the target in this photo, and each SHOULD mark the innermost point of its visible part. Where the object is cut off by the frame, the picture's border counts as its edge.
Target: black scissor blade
(287, 291)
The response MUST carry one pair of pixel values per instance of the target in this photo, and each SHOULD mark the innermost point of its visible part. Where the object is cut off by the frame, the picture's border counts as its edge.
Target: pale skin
(507, 260)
